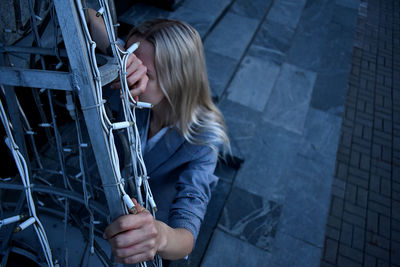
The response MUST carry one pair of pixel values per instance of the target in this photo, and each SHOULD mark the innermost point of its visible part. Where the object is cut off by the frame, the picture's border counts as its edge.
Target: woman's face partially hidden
(145, 53)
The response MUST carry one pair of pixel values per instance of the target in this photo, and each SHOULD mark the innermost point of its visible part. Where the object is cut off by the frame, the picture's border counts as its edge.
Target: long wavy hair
(182, 76)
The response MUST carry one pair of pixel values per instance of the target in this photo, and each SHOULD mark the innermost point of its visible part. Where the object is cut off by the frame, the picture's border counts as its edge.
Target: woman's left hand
(134, 238)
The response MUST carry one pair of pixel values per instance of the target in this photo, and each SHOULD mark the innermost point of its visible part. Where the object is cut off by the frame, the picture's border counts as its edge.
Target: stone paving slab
(208, 5)
(241, 129)
(274, 35)
(354, 4)
(289, 101)
(321, 136)
(140, 12)
(308, 42)
(304, 215)
(337, 48)
(253, 82)
(330, 92)
(251, 218)
(200, 14)
(233, 252)
(231, 35)
(220, 71)
(290, 251)
(268, 160)
(286, 12)
(202, 22)
(252, 9)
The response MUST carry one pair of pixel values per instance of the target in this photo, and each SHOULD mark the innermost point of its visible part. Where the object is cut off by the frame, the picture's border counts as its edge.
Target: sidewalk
(280, 72)
(364, 220)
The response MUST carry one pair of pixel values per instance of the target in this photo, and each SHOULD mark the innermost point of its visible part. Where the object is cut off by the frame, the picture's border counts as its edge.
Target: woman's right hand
(136, 76)
(135, 238)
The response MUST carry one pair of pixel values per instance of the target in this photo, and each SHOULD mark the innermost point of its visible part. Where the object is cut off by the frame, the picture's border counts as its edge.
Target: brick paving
(363, 227)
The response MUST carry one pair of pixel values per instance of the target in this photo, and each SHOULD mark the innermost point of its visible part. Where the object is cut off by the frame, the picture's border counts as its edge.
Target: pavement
(310, 93)
(364, 219)
(311, 102)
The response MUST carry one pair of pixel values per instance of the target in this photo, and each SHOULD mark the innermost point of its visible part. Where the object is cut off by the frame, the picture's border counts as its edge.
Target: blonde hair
(182, 76)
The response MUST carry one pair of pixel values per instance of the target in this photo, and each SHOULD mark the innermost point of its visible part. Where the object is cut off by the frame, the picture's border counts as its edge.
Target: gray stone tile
(240, 128)
(253, 82)
(321, 135)
(354, 4)
(231, 35)
(217, 6)
(306, 54)
(253, 9)
(140, 12)
(330, 92)
(263, 171)
(286, 12)
(345, 16)
(265, 53)
(316, 14)
(312, 26)
(220, 70)
(337, 49)
(226, 250)
(290, 251)
(201, 21)
(305, 211)
(251, 218)
(274, 36)
(188, 12)
(289, 101)
(331, 29)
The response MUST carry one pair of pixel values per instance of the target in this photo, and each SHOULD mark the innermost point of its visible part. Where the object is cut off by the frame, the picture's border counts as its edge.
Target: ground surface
(310, 93)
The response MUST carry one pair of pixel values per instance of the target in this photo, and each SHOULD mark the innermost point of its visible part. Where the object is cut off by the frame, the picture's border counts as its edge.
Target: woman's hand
(136, 71)
(136, 76)
(135, 238)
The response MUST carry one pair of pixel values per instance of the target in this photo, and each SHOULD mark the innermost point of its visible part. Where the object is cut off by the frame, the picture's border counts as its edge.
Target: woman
(181, 136)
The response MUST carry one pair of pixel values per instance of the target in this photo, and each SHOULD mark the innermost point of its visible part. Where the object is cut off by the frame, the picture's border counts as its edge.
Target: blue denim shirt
(181, 177)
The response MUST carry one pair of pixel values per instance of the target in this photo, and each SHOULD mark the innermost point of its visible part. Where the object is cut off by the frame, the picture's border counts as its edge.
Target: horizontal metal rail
(35, 78)
(32, 50)
(56, 80)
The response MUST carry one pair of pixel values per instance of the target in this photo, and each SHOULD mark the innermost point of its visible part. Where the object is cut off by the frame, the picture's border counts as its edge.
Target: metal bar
(13, 111)
(35, 78)
(32, 50)
(45, 78)
(79, 62)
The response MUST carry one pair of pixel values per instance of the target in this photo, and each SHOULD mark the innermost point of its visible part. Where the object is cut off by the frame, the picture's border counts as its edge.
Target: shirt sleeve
(194, 191)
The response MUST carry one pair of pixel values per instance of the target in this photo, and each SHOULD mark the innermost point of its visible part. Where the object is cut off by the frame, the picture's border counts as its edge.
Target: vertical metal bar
(81, 72)
(13, 111)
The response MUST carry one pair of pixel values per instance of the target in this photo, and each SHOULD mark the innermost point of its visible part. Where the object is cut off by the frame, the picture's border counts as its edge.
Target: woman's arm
(179, 242)
(136, 77)
(98, 31)
(136, 238)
